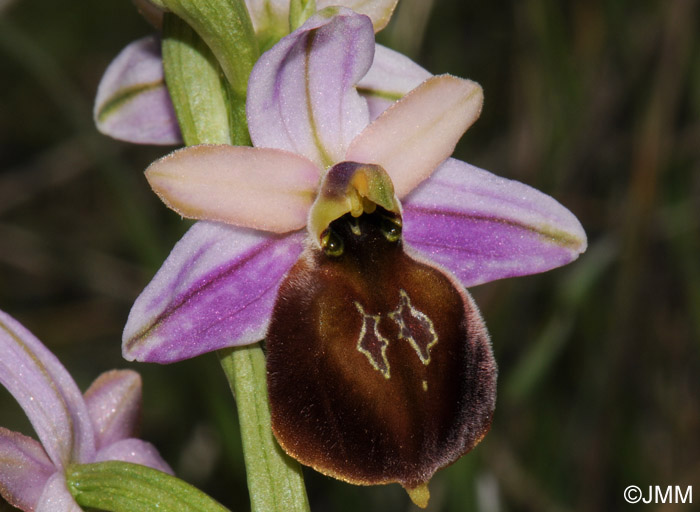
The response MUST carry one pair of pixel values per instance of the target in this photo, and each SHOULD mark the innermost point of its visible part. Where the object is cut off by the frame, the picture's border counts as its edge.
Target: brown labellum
(379, 366)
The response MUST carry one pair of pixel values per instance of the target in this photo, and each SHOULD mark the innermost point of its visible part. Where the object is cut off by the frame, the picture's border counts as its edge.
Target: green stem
(275, 480)
(211, 111)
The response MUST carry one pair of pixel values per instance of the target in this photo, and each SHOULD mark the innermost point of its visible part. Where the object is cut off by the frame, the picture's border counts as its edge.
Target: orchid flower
(72, 428)
(133, 103)
(347, 242)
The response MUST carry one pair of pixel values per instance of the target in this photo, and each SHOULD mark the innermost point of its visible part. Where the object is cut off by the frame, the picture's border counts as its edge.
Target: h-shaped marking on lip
(371, 343)
(412, 323)
(422, 325)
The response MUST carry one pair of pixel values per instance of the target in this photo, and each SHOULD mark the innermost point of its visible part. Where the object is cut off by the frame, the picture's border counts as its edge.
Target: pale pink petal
(135, 451)
(216, 289)
(413, 136)
(379, 11)
(132, 102)
(46, 392)
(301, 93)
(483, 227)
(56, 497)
(24, 469)
(265, 189)
(391, 77)
(114, 404)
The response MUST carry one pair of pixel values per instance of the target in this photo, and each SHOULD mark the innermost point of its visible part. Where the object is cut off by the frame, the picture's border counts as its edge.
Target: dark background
(594, 102)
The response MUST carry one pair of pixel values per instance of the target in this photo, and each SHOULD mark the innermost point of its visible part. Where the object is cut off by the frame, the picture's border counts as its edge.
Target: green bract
(124, 487)
(197, 88)
(226, 28)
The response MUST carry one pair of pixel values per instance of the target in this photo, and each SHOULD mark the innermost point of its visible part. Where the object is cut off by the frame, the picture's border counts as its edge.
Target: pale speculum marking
(371, 343)
(414, 326)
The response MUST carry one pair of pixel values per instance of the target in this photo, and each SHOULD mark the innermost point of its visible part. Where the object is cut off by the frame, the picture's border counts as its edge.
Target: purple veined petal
(417, 133)
(135, 451)
(56, 497)
(132, 102)
(379, 11)
(114, 403)
(260, 188)
(24, 469)
(46, 392)
(391, 77)
(215, 290)
(301, 93)
(483, 227)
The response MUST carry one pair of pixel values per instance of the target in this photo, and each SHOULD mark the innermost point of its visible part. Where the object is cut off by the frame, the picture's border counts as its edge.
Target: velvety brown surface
(379, 366)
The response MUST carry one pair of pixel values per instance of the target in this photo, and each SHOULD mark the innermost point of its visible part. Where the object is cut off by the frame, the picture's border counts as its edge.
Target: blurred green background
(594, 102)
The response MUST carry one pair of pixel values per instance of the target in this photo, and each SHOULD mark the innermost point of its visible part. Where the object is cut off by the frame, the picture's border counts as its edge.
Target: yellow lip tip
(420, 495)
